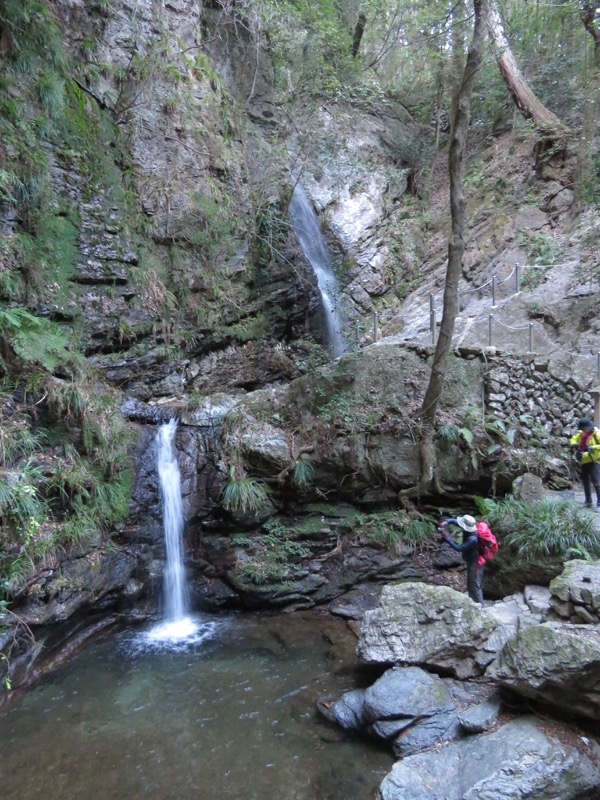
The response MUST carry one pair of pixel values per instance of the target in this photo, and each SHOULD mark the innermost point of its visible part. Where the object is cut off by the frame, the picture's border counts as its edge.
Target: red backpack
(488, 544)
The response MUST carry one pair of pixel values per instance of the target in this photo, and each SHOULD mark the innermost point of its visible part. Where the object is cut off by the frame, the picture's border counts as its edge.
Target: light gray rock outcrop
(575, 594)
(427, 625)
(559, 664)
(517, 761)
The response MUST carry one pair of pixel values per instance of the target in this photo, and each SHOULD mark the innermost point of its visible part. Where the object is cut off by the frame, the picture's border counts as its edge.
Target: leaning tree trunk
(358, 34)
(552, 131)
(456, 247)
(585, 147)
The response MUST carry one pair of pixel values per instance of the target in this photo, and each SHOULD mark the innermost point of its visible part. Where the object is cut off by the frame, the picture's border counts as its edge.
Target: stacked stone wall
(538, 397)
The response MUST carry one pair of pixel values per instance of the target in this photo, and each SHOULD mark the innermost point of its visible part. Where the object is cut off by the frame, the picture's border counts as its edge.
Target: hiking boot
(588, 505)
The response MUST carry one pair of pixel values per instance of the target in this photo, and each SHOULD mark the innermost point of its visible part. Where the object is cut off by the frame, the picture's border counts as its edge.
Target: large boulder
(519, 760)
(575, 593)
(406, 694)
(556, 663)
(432, 626)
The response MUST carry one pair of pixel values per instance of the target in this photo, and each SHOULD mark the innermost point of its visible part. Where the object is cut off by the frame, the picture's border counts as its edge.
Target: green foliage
(31, 35)
(50, 502)
(18, 440)
(212, 229)
(498, 429)
(49, 256)
(303, 474)
(395, 529)
(51, 93)
(277, 555)
(454, 434)
(542, 253)
(242, 493)
(35, 341)
(541, 528)
(313, 40)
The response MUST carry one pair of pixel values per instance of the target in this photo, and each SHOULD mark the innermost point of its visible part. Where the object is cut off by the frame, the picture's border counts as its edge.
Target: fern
(67, 399)
(243, 494)
(542, 527)
(303, 474)
(36, 340)
(51, 93)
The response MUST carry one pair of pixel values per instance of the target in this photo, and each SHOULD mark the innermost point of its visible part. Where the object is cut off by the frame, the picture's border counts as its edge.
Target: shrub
(243, 494)
(541, 528)
(303, 474)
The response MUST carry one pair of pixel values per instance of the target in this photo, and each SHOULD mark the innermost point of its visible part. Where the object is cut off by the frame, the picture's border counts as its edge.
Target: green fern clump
(541, 528)
(394, 529)
(303, 474)
(243, 494)
(51, 92)
(35, 341)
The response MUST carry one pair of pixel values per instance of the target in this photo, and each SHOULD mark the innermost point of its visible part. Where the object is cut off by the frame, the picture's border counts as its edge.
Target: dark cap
(585, 424)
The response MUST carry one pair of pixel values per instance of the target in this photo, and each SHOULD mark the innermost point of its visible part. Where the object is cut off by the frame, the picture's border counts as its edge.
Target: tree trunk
(549, 125)
(589, 123)
(358, 34)
(456, 246)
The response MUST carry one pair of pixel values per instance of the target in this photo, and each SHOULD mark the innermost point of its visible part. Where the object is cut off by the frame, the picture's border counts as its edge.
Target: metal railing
(495, 285)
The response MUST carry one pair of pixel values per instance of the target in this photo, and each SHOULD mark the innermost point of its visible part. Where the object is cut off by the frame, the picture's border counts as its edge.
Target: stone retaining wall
(526, 390)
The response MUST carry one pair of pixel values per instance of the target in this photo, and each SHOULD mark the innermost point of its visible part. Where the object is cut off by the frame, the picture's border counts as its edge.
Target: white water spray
(177, 623)
(308, 230)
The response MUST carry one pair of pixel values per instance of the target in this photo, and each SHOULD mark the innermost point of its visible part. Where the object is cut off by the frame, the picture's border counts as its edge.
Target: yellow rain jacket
(582, 440)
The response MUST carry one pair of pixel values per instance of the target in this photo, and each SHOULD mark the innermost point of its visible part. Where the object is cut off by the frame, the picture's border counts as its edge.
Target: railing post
(493, 291)
(431, 314)
(517, 278)
(530, 338)
(491, 318)
(433, 326)
(458, 300)
(375, 327)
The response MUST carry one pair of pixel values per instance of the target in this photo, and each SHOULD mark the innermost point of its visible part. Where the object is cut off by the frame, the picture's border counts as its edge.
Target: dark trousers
(590, 476)
(474, 577)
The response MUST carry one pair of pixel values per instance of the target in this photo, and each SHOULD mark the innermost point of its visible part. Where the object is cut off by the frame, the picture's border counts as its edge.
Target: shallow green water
(230, 717)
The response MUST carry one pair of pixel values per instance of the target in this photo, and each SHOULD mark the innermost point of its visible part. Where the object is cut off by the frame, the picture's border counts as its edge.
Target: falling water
(308, 230)
(176, 625)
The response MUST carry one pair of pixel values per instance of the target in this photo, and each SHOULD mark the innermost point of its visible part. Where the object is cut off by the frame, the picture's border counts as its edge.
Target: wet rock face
(163, 226)
(95, 579)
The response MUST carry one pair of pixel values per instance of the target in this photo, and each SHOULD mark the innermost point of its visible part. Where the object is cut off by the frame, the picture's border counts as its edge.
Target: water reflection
(231, 717)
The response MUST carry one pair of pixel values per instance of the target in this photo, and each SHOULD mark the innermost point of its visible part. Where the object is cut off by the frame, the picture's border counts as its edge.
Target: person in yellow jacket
(585, 446)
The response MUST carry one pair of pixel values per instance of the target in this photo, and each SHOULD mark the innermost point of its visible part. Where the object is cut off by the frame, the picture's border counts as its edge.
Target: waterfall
(176, 624)
(175, 599)
(306, 225)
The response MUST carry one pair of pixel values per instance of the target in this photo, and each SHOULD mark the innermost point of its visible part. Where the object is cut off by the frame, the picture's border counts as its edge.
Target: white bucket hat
(467, 523)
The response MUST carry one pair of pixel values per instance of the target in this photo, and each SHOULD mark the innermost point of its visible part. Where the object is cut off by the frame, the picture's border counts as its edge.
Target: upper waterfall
(308, 230)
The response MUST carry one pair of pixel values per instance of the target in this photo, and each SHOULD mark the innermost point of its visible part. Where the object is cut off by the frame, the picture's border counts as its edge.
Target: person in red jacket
(585, 446)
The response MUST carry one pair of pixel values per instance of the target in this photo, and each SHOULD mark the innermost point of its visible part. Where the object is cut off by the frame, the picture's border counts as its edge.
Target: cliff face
(160, 229)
